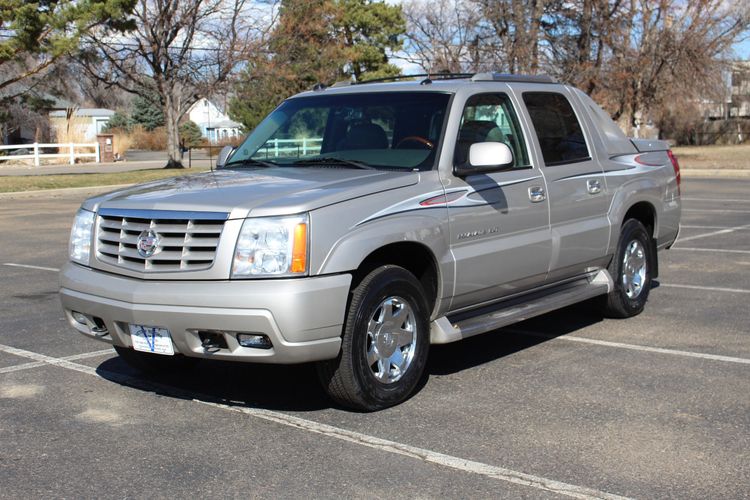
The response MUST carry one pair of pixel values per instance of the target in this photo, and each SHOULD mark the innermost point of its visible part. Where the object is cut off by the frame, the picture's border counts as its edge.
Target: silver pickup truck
(358, 224)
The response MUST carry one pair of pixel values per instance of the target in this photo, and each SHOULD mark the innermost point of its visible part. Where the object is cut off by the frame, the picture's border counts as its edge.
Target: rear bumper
(302, 317)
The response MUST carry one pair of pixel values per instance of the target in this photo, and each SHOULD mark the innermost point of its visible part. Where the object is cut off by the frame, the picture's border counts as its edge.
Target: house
(78, 125)
(736, 100)
(215, 125)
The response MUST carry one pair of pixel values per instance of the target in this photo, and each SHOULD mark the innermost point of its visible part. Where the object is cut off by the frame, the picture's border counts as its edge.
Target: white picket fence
(69, 151)
(291, 147)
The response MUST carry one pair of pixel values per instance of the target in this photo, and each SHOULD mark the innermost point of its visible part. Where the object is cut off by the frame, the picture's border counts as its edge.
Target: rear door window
(559, 132)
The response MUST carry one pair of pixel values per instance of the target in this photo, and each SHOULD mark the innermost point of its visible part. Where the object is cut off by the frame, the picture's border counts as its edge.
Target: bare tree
(477, 35)
(515, 26)
(643, 58)
(16, 116)
(443, 35)
(640, 58)
(180, 51)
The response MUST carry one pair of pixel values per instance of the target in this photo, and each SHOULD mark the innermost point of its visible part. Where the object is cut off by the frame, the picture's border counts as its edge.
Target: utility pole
(208, 132)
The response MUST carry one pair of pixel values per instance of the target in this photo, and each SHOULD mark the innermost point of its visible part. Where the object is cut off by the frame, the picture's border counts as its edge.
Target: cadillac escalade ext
(358, 224)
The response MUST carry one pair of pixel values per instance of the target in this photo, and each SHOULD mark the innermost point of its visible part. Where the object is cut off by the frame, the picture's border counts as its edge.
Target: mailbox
(106, 147)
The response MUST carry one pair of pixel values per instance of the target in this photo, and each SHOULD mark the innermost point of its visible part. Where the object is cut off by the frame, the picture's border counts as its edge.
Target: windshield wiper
(330, 160)
(250, 162)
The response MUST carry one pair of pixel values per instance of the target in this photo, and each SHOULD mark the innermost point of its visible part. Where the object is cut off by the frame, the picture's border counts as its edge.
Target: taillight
(676, 167)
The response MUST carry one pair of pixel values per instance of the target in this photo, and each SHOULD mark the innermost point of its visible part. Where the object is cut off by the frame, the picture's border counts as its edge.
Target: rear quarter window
(559, 132)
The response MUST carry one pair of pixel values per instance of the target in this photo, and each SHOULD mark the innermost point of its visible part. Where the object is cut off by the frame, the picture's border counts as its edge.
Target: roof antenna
(428, 80)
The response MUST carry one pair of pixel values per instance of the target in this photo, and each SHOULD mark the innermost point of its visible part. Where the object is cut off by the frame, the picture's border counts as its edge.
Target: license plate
(151, 339)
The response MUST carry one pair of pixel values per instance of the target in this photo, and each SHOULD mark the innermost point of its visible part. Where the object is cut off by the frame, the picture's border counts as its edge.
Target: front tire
(384, 345)
(631, 272)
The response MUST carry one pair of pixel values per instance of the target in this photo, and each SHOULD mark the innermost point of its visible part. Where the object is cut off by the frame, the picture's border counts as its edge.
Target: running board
(444, 330)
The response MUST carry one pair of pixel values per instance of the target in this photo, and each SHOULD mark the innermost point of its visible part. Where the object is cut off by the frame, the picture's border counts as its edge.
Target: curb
(54, 193)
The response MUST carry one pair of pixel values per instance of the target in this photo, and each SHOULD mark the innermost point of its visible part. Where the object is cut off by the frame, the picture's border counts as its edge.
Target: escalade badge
(148, 243)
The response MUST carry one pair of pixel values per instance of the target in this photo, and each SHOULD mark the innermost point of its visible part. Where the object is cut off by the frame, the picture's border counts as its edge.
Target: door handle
(594, 186)
(537, 194)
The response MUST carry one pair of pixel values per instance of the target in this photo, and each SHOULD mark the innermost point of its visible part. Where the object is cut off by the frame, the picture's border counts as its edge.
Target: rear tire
(156, 363)
(631, 269)
(384, 345)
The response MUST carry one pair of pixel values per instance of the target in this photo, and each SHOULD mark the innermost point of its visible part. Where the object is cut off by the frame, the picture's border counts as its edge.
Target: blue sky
(742, 50)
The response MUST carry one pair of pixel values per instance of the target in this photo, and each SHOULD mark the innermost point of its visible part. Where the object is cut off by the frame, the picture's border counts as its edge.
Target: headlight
(80, 237)
(271, 246)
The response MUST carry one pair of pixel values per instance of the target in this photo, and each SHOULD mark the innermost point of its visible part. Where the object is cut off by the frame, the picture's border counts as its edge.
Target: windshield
(393, 130)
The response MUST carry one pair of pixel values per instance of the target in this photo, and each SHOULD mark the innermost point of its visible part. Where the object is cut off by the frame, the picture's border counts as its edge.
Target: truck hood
(264, 191)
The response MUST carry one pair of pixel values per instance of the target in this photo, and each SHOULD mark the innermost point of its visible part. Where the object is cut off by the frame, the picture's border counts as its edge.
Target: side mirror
(485, 157)
(224, 155)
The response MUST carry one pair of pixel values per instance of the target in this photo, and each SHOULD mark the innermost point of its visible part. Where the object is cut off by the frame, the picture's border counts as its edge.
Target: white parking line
(37, 364)
(718, 200)
(713, 233)
(23, 366)
(422, 454)
(384, 445)
(719, 250)
(27, 266)
(718, 210)
(633, 347)
(706, 288)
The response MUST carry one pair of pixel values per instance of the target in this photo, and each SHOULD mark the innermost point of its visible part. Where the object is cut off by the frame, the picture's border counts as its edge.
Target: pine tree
(190, 134)
(145, 112)
(37, 34)
(318, 41)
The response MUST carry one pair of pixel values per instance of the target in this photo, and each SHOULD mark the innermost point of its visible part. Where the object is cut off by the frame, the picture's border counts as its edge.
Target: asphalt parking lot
(567, 404)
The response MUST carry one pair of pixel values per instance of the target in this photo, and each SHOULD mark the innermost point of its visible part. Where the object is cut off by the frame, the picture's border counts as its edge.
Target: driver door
(499, 222)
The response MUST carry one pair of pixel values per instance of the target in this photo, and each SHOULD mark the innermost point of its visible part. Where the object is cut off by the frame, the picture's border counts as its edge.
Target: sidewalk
(81, 168)
(140, 160)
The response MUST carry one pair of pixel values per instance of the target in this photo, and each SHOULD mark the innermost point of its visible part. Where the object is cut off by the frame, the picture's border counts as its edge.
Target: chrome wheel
(391, 339)
(634, 268)
(385, 342)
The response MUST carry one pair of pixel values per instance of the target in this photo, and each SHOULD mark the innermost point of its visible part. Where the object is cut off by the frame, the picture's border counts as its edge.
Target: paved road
(565, 404)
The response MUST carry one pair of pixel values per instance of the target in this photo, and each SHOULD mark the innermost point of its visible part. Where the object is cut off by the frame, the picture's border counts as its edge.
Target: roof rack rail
(504, 77)
(429, 76)
(342, 83)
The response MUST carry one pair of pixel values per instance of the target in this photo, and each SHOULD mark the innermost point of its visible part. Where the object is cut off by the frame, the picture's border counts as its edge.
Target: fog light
(256, 340)
(79, 317)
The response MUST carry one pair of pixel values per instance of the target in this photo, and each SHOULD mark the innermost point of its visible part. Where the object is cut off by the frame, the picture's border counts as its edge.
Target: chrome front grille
(187, 241)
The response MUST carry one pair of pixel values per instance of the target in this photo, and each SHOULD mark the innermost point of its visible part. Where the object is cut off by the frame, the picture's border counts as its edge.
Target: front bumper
(302, 317)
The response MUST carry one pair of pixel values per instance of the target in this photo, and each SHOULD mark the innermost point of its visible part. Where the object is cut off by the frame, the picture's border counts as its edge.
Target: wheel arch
(413, 256)
(645, 213)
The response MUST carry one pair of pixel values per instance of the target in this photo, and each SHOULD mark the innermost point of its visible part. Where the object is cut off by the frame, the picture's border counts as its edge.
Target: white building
(736, 100)
(214, 124)
(82, 125)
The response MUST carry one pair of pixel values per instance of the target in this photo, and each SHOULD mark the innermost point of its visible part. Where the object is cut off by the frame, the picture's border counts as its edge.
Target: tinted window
(560, 135)
(490, 118)
(394, 130)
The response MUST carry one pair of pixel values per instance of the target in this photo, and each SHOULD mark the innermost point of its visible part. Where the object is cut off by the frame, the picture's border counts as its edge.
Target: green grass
(37, 182)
